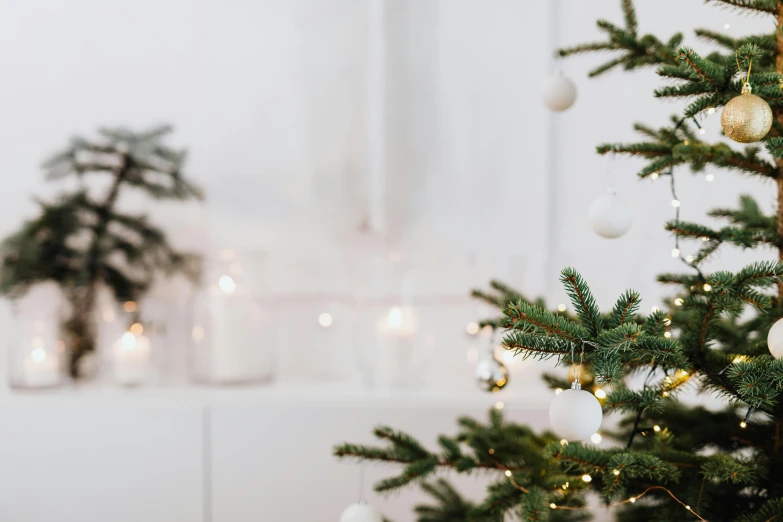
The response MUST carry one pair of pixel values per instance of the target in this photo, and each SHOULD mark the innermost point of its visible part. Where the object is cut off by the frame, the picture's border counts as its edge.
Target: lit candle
(131, 359)
(400, 321)
(41, 369)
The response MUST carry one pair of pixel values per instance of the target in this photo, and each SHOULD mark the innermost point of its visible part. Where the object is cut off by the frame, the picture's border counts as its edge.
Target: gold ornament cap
(746, 118)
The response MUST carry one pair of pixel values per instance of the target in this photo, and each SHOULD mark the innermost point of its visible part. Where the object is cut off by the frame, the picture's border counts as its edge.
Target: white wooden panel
(275, 463)
(67, 460)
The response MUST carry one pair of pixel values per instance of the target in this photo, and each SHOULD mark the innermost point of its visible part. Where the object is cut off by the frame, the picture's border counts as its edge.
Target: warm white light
(675, 203)
(656, 428)
(702, 130)
(704, 239)
(553, 505)
(561, 307)
(654, 175)
(38, 355)
(675, 252)
(499, 405)
(632, 500)
(707, 287)
(679, 301)
(726, 26)
(227, 284)
(689, 259)
(668, 380)
(667, 334)
(688, 508)
(710, 177)
(558, 391)
(710, 110)
(667, 321)
(197, 333)
(137, 329)
(587, 478)
(508, 473)
(563, 442)
(128, 341)
(600, 393)
(394, 319)
(472, 328)
(743, 424)
(665, 394)
(684, 373)
(325, 320)
(596, 438)
(616, 472)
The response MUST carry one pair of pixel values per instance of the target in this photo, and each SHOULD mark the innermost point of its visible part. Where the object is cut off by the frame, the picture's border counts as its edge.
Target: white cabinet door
(99, 461)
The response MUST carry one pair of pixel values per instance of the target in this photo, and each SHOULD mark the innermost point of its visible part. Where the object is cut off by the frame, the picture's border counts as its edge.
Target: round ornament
(746, 118)
(575, 414)
(361, 512)
(558, 92)
(609, 216)
(491, 373)
(775, 339)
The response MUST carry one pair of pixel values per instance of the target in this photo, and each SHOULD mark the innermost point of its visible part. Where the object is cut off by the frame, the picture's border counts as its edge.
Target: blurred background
(365, 164)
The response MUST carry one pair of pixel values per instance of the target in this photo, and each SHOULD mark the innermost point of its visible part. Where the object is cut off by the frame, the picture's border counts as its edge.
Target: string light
(600, 393)
(665, 393)
(710, 110)
(561, 307)
(499, 405)
(558, 391)
(508, 472)
(675, 252)
(679, 301)
(654, 175)
(689, 259)
(553, 505)
(137, 329)
(325, 320)
(563, 442)
(632, 500)
(704, 239)
(707, 287)
(726, 26)
(596, 438)
(587, 478)
(676, 203)
(702, 130)
(129, 306)
(616, 472)
(656, 428)
(667, 334)
(227, 284)
(709, 177)
(743, 424)
(472, 328)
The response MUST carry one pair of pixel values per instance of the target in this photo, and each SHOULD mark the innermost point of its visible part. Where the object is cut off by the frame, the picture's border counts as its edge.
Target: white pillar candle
(132, 359)
(41, 369)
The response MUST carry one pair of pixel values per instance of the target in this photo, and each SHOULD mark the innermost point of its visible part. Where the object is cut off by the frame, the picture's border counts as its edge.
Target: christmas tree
(84, 244)
(668, 460)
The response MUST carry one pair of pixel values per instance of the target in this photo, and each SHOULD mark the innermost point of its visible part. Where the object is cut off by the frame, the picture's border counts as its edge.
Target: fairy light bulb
(675, 252)
(702, 130)
(654, 175)
(325, 320)
(472, 328)
(676, 203)
(600, 393)
(508, 473)
(596, 438)
(632, 500)
(128, 341)
(656, 428)
(707, 287)
(227, 284)
(38, 354)
(743, 424)
(553, 505)
(394, 319)
(679, 301)
(616, 472)
(561, 307)
(587, 478)
(667, 334)
(709, 177)
(711, 110)
(499, 405)
(558, 391)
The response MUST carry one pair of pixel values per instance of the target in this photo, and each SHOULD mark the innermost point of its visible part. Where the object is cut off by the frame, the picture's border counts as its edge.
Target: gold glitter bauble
(746, 118)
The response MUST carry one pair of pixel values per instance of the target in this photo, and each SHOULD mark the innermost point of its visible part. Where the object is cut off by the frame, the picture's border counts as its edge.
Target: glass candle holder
(232, 335)
(36, 352)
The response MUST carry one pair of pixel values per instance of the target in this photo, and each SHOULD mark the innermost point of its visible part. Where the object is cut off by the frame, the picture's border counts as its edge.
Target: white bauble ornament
(558, 92)
(775, 339)
(575, 414)
(361, 512)
(609, 216)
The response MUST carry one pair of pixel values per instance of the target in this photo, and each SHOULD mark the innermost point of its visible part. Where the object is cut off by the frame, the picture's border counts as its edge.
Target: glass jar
(36, 351)
(232, 336)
